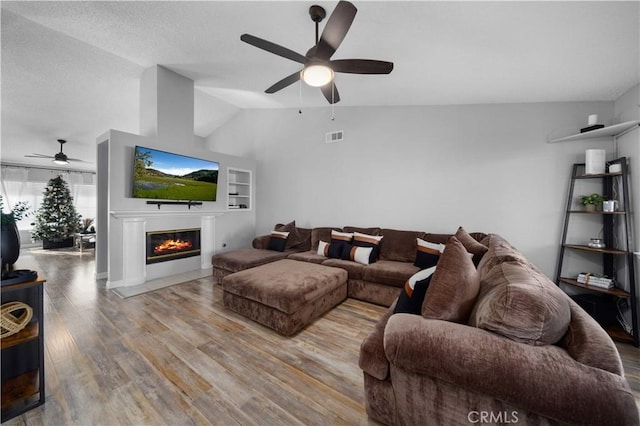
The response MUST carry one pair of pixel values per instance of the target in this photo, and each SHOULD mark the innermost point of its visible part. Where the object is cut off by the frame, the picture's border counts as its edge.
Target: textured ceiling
(72, 69)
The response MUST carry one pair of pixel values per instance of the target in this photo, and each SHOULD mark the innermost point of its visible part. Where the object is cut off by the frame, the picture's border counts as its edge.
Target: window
(28, 184)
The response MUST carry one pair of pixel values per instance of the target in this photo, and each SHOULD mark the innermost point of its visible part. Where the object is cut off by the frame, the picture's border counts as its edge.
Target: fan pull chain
(300, 97)
(333, 91)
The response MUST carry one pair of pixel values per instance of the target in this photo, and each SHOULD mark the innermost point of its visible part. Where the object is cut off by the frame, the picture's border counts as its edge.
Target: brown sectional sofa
(379, 282)
(512, 349)
(523, 353)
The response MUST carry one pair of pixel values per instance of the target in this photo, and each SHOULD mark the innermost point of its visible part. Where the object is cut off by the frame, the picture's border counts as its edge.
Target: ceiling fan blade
(361, 66)
(336, 29)
(276, 49)
(326, 91)
(34, 155)
(287, 81)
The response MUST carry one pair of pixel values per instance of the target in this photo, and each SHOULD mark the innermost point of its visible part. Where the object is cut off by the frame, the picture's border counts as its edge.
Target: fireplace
(163, 246)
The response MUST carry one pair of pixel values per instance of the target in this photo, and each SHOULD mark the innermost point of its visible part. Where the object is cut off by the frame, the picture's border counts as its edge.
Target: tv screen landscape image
(167, 176)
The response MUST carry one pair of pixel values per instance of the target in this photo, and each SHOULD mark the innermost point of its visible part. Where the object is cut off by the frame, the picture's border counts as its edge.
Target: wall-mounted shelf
(614, 130)
(239, 189)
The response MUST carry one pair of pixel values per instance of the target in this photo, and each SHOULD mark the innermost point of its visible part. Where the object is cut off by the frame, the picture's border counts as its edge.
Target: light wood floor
(176, 356)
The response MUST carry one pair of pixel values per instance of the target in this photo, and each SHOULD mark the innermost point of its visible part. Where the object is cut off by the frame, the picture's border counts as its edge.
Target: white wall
(486, 167)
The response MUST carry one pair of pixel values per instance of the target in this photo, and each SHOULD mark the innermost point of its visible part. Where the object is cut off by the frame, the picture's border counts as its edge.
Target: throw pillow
(365, 240)
(354, 253)
(323, 249)
(294, 239)
(427, 254)
(412, 296)
(338, 240)
(474, 247)
(277, 241)
(454, 286)
(523, 305)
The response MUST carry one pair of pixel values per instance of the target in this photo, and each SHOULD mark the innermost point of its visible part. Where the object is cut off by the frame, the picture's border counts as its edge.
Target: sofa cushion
(389, 272)
(474, 247)
(399, 246)
(323, 249)
(338, 240)
(369, 231)
(499, 250)
(305, 239)
(412, 296)
(278, 240)
(521, 304)
(362, 255)
(321, 234)
(454, 286)
(354, 270)
(307, 256)
(368, 240)
(427, 254)
(294, 239)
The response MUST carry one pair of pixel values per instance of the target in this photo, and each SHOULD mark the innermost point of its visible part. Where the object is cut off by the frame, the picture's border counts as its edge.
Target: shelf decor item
(14, 316)
(595, 161)
(592, 124)
(590, 202)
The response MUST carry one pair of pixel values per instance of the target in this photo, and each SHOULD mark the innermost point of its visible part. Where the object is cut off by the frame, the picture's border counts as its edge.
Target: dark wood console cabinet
(22, 356)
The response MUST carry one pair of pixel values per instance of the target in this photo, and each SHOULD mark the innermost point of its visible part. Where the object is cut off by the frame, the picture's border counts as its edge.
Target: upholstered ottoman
(285, 295)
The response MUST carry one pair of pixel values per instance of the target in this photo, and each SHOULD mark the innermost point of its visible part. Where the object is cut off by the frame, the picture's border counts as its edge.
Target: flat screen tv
(167, 176)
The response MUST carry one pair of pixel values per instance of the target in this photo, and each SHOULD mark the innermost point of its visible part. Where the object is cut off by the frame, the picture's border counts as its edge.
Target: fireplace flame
(172, 245)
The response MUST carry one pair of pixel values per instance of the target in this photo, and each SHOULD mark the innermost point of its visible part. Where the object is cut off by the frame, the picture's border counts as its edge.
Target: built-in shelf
(239, 189)
(608, 131)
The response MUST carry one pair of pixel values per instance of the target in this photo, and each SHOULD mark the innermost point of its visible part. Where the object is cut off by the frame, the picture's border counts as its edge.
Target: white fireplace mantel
(134, 224)
(194, 212)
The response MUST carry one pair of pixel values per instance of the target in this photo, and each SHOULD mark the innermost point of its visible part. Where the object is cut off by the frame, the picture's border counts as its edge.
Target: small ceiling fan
(60, 158)
(319, 70)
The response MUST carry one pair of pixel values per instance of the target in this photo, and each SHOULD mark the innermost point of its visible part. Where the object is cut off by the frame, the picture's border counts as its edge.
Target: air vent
(332, 137)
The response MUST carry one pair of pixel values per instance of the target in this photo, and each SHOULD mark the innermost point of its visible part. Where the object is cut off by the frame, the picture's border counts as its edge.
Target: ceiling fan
(319, 70)
(60, 158)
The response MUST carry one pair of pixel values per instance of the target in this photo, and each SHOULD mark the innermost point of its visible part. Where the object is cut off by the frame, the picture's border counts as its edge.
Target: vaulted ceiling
(71, 70)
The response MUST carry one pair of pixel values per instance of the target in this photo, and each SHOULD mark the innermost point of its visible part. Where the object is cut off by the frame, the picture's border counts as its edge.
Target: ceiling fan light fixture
(60, 159)
(317, 75)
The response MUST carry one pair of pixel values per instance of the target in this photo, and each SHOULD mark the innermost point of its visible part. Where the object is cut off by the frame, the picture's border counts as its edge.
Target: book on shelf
(595, 280)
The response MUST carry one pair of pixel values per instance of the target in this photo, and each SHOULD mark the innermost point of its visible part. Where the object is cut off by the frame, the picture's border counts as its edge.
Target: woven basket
(10, 323)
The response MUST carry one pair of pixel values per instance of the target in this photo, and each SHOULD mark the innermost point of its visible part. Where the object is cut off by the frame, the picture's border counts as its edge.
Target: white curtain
(14, 181)
(28, 184)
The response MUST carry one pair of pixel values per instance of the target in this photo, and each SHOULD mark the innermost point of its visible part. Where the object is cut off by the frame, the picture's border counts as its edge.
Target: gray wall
(485, 167)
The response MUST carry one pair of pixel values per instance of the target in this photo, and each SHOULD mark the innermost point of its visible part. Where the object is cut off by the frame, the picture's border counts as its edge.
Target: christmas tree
(57, 219)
